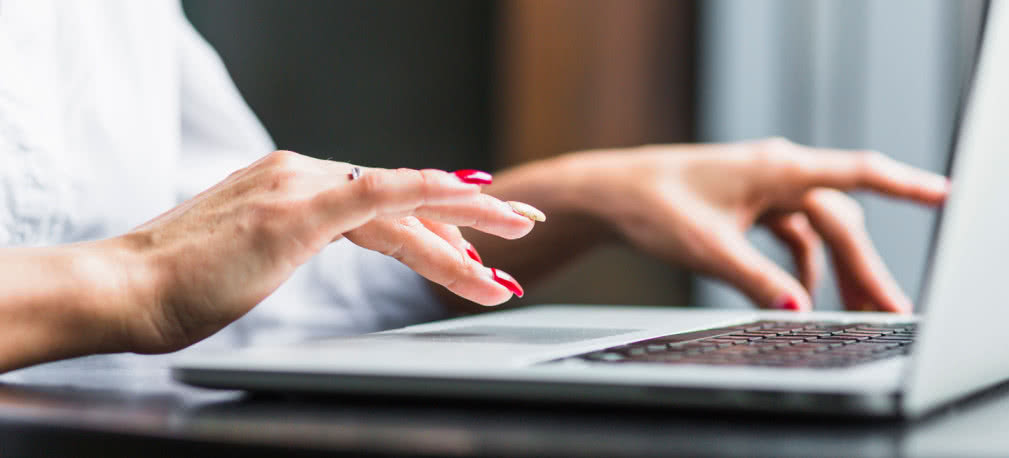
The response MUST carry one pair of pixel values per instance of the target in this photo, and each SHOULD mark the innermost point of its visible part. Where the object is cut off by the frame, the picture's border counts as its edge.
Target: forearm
(564, 189)
(59, 302)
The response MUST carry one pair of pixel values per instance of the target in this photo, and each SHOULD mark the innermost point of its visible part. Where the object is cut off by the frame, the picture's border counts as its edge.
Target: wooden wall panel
(579, 74)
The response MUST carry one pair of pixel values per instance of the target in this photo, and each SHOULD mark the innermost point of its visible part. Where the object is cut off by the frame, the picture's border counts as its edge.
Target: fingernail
(471, 251)
(474, 176)
(528, 211)
(507, 281)
(787, 303)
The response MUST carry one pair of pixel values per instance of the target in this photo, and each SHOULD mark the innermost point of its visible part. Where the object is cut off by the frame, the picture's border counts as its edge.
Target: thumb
(761, 279)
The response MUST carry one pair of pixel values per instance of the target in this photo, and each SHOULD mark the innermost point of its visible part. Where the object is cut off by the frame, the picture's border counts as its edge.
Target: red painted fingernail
(474, 176)
(507, 281)
(471, 251)
(788, 303)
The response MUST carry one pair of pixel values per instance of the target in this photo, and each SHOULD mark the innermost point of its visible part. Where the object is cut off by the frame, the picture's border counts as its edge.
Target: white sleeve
(42, 192)
(346, 287)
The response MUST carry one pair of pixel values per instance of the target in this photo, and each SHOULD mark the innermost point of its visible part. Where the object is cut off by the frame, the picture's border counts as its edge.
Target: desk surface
(88, 406)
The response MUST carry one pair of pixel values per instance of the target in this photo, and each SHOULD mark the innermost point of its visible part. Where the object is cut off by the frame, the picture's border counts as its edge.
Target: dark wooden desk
(89, 407)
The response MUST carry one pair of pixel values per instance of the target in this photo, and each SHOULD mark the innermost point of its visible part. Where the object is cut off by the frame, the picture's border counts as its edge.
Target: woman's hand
(208, 261)
(692, 204)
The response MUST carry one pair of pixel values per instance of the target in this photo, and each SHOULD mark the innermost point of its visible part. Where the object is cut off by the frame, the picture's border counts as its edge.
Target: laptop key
(769, 344)
(875, 330)
(893, 339)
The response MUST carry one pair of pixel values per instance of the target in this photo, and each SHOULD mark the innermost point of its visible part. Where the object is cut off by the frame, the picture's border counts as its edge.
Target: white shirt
(113, 111)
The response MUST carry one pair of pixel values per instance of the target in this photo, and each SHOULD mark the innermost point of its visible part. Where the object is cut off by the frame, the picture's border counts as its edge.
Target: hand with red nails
(192, 270)
(692, 205)
(247, 234)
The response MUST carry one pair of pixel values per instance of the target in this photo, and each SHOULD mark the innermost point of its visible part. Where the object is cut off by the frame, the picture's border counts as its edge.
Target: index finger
(859, 266)
(848, 170)
(387, 192)
(433, 257)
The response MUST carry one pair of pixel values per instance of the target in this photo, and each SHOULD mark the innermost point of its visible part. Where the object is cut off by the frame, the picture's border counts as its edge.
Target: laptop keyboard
(805, 344)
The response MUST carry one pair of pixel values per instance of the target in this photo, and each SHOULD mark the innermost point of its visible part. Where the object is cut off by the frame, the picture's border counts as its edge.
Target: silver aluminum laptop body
(513, 354)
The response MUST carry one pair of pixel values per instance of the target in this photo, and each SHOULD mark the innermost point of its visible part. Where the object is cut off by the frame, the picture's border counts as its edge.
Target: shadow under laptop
(429, 426)
(182, 417)
(437, 427)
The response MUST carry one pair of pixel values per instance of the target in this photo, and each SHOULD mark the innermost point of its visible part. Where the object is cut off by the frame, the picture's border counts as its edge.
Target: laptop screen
(973, 27)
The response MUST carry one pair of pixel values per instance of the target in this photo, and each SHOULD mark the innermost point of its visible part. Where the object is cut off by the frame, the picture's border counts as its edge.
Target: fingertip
(517, 230)
(505, 279)
(500, 298)
(478, 284)
(762, 280)
(486, 286)
(945, 189)
(512, 224)
(793, 302)
(494, 293)
(493, 301)
(787, 303)
(935, 189)
(901, 306)
(939, 184)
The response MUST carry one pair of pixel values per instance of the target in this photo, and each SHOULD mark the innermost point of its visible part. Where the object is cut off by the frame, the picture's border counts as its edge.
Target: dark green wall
(377, 82)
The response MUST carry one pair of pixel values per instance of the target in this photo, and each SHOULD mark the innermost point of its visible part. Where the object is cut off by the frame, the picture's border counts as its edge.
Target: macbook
(851, 363)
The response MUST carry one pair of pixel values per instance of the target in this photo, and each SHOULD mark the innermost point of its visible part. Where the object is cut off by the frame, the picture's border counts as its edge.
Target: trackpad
(532, 335)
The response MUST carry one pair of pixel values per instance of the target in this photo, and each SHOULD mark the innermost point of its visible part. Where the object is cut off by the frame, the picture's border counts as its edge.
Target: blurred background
(487, 84)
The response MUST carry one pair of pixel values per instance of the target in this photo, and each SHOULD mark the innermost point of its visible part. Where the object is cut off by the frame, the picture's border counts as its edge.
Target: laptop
(837, 363)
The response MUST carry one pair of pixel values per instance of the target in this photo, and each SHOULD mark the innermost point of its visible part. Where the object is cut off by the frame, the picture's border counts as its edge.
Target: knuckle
(384, 191)
(868, 161)
(762, 157)
(410, 223)
(274, 211)
(279, 171)
(837, 203)
(458, 270)
(269, 220)
(775, 144)
(817, 199)
(796, 224)
(282, 179)
(773, 154)
(778, 161)
(397, 251)
(425, 179)
(370, 187)
(281, 158)
(463, 266)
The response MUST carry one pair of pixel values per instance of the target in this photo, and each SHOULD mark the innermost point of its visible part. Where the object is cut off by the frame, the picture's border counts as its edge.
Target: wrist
(65, 301)
(568, 188)
(122, 292)
(590, 184)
